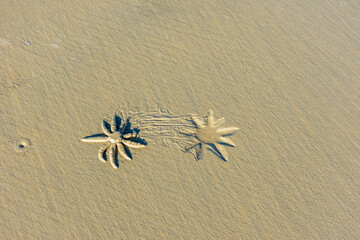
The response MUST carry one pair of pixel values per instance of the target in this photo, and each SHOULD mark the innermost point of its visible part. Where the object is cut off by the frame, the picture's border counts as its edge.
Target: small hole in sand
(22, 145)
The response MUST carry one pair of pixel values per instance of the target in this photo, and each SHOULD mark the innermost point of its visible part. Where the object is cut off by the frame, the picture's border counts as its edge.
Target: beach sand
(286, 73)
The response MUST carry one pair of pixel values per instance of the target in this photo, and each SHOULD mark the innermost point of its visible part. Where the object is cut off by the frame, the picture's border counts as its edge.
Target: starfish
(116, 139)
(211, 134)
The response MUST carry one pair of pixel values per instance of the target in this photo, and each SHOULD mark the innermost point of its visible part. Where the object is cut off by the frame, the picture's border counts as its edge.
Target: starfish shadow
(213, 149)
(128, 129)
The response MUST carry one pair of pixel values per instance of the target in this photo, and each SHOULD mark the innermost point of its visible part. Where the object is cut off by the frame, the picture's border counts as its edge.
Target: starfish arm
(132, 144)
(218, 122)
(200, 152)
(102, 150)
(210, 119)
(112, 155)
(105, 129)
(130, 135)
(197, 122)
(122, 151)
(113, 124)
(227, 141)
(227, 131)
(222, 151)
(95, 139)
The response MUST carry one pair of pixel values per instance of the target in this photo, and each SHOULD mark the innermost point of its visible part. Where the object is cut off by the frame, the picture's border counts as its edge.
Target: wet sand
(285, 73)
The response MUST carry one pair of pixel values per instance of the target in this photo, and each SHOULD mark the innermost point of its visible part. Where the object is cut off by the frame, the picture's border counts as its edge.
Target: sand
(286, 73)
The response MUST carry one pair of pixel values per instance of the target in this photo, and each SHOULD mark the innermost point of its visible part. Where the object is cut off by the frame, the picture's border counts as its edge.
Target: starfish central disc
(115, 137)
(207, 135)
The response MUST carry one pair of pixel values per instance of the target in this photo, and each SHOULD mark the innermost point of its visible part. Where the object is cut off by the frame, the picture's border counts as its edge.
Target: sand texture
(284, 163)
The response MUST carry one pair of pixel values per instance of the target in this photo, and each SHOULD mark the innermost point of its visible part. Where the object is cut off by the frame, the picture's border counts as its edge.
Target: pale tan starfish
(211, 134)
(116, 138)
